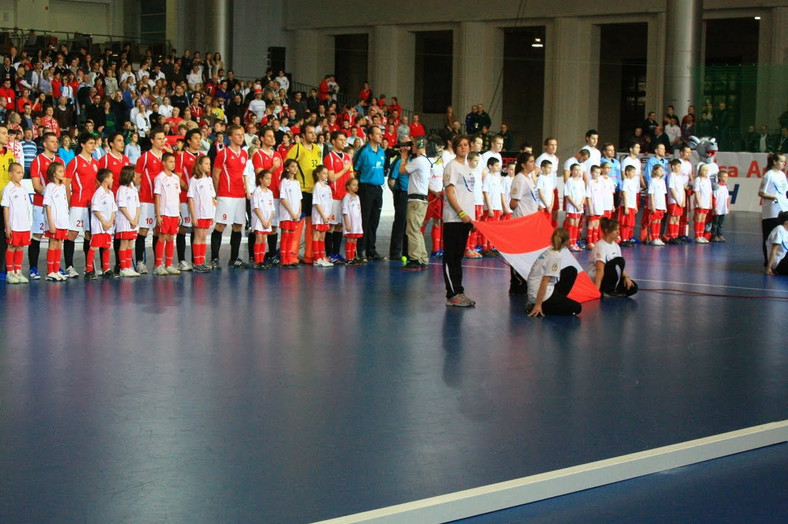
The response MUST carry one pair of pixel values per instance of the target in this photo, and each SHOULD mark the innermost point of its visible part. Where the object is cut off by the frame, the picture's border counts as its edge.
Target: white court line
(721, 286)
(496, 497)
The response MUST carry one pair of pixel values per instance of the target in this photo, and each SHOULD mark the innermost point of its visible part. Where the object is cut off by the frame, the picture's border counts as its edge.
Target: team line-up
(171, 193)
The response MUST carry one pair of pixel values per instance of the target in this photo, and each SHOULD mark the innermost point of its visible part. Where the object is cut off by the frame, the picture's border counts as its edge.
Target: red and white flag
(522, 240)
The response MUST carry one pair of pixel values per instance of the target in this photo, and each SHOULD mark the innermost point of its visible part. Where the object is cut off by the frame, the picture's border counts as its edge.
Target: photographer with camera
(415, 164)
(399, 183)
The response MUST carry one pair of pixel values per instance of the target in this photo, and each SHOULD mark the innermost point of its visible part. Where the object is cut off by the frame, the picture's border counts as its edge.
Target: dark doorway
(523, 85)
(622, 81)
(433, 71)
(351, 54)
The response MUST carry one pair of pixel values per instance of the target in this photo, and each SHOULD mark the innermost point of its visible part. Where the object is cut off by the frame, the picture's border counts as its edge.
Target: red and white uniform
(114, 164)
(336, 162)
(492, 186)
(184, 163)
(231, 193)
(55, 199)
(17, 200)
(351, 207)
(202, 193)
(631, 189)
(38, 169)
(321, 195)
(231, 179)
(127, 197)
(289, 191)
(82, 173)
(610, 190)
(721, 195)
(574, 188)
(265, 160)
(149, 166)
(168, 188)
(657, 189)
(595, 191)
(676, 184)
(702, 189)
(104, 203)
(264, 201)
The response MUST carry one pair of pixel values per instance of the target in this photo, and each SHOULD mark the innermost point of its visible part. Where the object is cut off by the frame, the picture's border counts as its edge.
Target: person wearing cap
(414, 162)
(257, 105)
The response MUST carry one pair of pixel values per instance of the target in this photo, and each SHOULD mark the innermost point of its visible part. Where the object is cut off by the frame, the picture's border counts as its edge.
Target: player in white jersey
(351, 220)
(702, 192)
(575, 198)
(493, 200)
(166, 193)
(321, 216)
(262, 205)
(102, 224)
(18, 224)
(127, 219)
(657, 204)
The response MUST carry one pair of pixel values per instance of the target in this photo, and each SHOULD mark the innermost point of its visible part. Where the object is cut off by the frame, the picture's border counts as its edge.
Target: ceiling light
(537, 42)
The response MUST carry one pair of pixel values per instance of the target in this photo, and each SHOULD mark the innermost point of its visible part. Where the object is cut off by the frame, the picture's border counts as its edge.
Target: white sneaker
(141, 269)
(99, 272)
(701, 240)
(71, 272)
(10, 278)
(160, 271)
(61, 276)
(657, 242)
(53, 277)
(184, 266)
(126, 273)
(172, 270)
(20, 278)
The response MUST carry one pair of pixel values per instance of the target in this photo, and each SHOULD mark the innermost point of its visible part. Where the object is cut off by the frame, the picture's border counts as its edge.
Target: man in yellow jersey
(308, 155)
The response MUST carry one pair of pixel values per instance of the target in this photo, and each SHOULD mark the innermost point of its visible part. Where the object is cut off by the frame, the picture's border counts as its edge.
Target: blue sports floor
(294, 396)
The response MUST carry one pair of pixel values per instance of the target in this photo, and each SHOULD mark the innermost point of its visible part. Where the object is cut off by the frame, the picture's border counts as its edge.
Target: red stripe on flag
(521, 235)
(584, 289)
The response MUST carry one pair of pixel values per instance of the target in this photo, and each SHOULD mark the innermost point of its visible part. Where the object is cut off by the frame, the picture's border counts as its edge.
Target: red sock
(105, 260)
(159, 252)
(169, 251)
(699, 226)
(350, 250)
(50, 254)
(18, 257)
(437, 233)
(655, 227)
(89, 261)
(284, 244)
(321, 244)
(9, 261)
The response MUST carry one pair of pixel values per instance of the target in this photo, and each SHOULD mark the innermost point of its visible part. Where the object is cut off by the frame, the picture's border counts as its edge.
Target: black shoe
(238, 264)
(215, 265)
(202, 268)
(422, 265)
(90, 275)
(110, 274)
(412, 265)
(378, 258)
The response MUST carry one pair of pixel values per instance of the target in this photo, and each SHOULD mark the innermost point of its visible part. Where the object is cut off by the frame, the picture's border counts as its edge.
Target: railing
(22, 39)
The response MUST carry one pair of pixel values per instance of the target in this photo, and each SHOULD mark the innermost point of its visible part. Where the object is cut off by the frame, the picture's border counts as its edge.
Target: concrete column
(682, 57)
(477, 65)
(571, 98)
(772, 67)
(219, 16)
(391, 64)
(655, 67)
(312, 56)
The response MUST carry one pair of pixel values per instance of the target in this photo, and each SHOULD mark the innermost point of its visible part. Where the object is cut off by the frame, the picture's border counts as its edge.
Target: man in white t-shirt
(417, 166)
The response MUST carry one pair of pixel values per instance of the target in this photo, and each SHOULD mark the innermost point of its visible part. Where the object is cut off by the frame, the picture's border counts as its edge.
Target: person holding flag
(548, 284)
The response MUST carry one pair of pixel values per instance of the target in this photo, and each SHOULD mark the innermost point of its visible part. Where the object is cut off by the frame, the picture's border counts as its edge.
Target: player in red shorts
(230, 184)
(115, 160)
(184, 164)
(16, 211)
(56, 213)
(102, 221)
(80, 181)
(166, 195)
(268, 158)
(148, 166)
(340, 170)
(38, 175)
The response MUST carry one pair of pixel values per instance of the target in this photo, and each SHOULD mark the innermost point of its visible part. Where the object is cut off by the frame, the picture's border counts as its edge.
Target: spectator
(416, 129)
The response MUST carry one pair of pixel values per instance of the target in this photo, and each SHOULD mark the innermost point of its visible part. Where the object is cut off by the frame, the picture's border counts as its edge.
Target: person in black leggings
(607, 264)
(546, 279)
